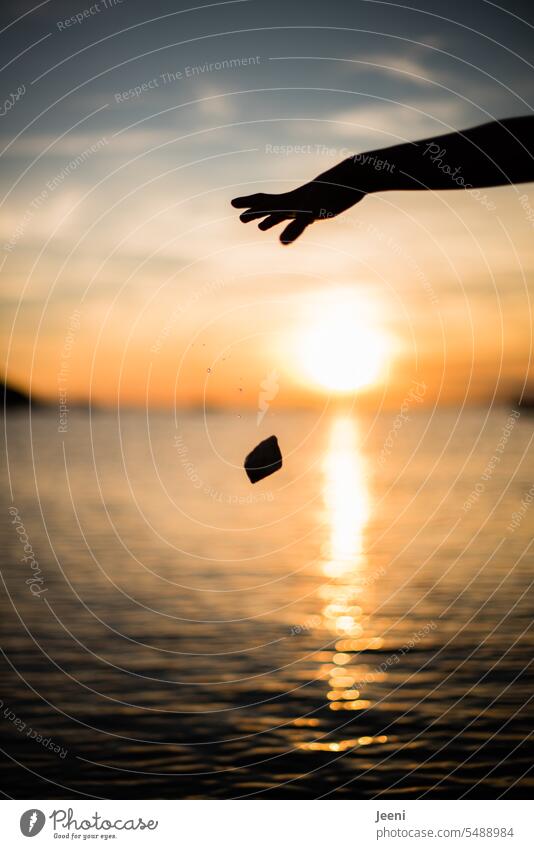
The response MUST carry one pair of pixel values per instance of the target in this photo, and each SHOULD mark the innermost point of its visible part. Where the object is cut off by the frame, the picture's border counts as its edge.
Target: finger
(295, 229)
(273, 220)
(251, 200)
(250, 215)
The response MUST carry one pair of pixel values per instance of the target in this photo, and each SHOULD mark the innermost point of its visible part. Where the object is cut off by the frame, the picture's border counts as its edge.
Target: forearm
(493, 154)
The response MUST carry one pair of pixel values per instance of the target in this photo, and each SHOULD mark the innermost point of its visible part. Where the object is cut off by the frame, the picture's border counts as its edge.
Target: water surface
(357, 625)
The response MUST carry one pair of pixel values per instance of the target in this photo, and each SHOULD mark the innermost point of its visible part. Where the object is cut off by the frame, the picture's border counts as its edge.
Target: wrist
(364, 172)
(374, 171)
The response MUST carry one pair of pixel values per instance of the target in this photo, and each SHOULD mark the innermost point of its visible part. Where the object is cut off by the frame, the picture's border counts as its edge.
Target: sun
(338, 346)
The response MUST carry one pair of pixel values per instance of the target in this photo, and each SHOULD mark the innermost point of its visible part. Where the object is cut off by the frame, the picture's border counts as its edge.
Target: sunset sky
(126, 274)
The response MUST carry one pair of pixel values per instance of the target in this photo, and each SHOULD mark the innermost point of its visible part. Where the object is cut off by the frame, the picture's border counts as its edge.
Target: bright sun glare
(338, 347)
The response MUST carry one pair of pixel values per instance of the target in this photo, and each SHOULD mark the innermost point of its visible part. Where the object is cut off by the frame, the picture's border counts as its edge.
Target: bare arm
(494, 154)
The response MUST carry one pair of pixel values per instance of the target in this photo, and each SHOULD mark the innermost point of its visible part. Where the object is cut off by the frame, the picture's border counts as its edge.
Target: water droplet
(208, 370)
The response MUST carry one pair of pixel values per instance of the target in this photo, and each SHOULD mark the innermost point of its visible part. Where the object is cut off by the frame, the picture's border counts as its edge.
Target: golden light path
(348, 505)
(346, 499)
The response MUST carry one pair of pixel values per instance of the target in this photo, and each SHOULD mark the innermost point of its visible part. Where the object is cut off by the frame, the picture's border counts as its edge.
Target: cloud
(391, 123)
(213, 104)
(74, 144)
(412, 67)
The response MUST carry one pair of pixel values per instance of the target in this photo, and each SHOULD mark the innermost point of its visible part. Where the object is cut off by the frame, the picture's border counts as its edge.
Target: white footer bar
(268, 824)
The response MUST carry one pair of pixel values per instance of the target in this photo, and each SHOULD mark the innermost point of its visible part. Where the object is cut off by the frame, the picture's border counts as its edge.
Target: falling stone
(263, 460)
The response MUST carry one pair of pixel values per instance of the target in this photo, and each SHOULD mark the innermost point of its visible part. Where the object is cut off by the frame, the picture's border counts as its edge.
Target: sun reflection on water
(346, 499)
(348, 505)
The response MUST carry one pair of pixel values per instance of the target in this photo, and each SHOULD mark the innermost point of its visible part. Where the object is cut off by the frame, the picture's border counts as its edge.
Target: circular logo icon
(31, 822)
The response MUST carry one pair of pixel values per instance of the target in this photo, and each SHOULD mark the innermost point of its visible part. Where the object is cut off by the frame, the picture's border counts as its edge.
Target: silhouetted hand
(495, 154)
(315, 201)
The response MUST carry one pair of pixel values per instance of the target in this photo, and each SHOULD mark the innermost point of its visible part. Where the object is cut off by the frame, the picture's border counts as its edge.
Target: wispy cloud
(389, 123)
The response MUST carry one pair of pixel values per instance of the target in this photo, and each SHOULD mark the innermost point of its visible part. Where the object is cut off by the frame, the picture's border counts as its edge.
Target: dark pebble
(263, 460)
